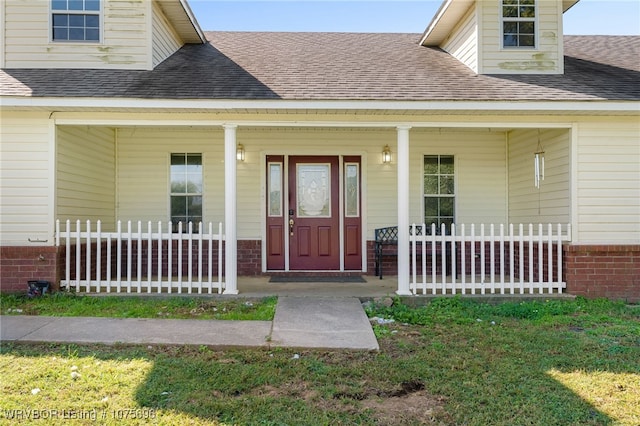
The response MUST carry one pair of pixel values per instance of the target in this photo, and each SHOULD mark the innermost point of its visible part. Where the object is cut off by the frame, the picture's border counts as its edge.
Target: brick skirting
(611, 271)
(18, 265)
(249, 257)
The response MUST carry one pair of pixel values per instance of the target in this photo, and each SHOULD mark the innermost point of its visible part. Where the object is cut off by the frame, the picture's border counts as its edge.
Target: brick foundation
(611, 271)
(249, 257)
(18, 265)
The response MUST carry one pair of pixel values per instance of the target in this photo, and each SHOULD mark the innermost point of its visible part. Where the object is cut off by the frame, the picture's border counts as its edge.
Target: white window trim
(536, 40)
(78, 12)
(170, 193)
(455, 185)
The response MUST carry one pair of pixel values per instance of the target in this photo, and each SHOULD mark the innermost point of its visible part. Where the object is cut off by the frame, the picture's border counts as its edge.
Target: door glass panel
(313, 189)
(275, 189)
(351, 190)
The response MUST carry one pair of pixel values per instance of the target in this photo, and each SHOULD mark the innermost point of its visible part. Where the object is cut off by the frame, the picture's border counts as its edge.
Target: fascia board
(194, 21)
(442, 10)
(194, 105)
(568, 4)
(444, 21)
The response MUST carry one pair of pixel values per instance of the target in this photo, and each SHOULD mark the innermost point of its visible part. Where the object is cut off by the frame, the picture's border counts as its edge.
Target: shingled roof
(341, 66)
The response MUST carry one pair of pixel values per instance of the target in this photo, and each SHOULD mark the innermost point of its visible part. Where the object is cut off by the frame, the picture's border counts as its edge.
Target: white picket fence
(477, 260)
(149, 258)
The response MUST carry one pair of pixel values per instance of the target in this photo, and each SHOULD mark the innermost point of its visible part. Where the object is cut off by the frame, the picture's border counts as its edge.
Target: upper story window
(518, 23)
(75, 20)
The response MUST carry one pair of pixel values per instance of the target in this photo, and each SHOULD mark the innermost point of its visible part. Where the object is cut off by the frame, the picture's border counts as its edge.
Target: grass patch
(455, 361)
(174, 307)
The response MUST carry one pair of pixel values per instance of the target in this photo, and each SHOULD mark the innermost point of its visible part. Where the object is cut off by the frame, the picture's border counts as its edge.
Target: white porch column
(403, 211)
(230, 211)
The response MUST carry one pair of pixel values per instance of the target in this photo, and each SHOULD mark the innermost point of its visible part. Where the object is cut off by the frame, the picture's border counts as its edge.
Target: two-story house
(506, 154)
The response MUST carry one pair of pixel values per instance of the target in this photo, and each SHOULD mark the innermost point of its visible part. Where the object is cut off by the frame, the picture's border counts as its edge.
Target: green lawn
(175, 307)
(453, 362)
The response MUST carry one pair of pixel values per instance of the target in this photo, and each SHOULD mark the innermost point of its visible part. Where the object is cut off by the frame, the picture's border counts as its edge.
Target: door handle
(291, 227)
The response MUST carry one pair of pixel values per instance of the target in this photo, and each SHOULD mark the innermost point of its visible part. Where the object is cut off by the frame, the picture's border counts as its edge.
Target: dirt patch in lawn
(414, 408)
(408, 404)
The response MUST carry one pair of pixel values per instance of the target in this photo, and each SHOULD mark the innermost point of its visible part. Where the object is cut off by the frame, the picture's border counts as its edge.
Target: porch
(128, 187)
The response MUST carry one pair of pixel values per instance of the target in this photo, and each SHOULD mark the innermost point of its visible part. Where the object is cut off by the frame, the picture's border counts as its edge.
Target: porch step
(322, 322)
(315, 274)
(317, 278)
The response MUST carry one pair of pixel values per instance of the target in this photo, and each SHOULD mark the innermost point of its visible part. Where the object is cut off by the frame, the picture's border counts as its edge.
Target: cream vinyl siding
(379, 180)
(24, 173)
(124, 29)
(462, 44)
(546, 58)
(165, 41)
(143, 171)
(86, 175)
(608, 192)
(480, 172)
(550, 203)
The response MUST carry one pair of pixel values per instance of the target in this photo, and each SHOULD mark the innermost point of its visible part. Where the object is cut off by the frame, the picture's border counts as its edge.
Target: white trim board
(204, 105)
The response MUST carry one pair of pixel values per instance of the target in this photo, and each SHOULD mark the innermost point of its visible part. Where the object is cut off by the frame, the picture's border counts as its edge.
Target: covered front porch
(492, 184)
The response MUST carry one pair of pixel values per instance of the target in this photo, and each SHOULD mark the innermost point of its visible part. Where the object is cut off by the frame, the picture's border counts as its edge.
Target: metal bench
(384, 237)
(388, 236)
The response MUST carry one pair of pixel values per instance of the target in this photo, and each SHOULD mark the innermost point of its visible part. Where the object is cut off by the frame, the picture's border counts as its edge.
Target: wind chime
(538, 164)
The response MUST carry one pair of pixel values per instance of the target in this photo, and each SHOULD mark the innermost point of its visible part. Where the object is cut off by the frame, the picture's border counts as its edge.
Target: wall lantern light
(386, 154)
(240, 152)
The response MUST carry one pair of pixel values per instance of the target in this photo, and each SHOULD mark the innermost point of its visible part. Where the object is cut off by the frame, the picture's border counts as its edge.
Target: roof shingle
(341, 66)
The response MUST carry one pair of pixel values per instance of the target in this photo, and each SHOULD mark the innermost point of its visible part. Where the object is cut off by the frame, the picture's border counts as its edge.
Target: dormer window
(518, 23)
(75, 20)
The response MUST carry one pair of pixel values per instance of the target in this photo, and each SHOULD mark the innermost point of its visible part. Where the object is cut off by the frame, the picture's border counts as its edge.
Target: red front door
(313, 216)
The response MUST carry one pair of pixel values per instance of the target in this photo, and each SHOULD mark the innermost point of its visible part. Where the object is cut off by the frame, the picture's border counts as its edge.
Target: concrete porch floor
(373, 287)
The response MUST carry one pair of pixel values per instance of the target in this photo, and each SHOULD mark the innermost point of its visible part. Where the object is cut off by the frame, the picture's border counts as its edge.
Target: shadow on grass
(502, 376)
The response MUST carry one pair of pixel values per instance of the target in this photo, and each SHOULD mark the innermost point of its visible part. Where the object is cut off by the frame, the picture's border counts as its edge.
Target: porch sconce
(538, 164)
(386, 154)
(240, 152)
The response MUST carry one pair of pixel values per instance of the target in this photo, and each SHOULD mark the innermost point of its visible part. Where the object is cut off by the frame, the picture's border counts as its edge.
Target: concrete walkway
(322, 322)
(300, 322)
